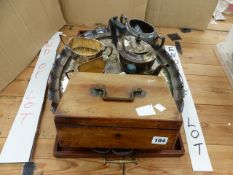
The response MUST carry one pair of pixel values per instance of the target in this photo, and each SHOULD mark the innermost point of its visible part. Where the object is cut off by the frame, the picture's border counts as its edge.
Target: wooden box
(99, 111)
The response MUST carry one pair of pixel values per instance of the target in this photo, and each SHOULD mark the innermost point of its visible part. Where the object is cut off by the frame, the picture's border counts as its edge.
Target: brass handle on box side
(122, 162)
(101, 91)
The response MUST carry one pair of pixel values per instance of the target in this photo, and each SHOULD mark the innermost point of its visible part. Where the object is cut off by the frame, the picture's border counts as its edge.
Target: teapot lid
(136, 46)
(137, 50)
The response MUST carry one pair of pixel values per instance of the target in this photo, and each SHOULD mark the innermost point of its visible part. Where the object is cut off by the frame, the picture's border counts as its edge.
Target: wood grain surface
(213, 99)
(78, 102)
(82, 119)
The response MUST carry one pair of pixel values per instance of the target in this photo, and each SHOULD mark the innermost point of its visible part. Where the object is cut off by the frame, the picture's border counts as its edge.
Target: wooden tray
(60, 152)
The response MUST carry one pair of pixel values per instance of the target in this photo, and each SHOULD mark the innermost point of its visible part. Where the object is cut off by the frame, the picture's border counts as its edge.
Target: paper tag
(18, 145)
(196, 143)
(157, 140)
(145, 110)
(160, 107)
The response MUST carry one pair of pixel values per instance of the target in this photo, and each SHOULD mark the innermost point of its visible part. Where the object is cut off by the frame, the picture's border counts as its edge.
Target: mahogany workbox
(99, 111)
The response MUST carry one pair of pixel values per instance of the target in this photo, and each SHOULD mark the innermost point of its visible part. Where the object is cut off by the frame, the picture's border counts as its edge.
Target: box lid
(81, 105)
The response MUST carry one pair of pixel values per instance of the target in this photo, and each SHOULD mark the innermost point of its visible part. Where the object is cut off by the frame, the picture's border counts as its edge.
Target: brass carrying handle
(121, 161)
(101, 91)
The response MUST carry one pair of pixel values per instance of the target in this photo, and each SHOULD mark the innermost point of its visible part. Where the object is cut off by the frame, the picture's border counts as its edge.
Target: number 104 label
(159, 140)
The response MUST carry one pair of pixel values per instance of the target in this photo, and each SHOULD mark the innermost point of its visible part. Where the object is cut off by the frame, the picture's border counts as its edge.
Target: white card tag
(160, 107)
(157, 140)
(145, 110)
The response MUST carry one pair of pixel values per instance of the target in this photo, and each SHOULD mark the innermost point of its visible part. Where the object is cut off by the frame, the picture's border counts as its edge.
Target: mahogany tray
(60, 152)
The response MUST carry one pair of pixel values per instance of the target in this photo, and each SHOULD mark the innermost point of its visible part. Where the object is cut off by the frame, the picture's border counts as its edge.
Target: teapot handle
(123, 19)
(116, 27)
(162, 38)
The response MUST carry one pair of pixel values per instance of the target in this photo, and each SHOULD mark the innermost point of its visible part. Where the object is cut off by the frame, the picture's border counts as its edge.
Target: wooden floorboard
(198, 54)
(208, 37)
(211, 91)
(222, 25)
(205, 70)
(16, 88)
